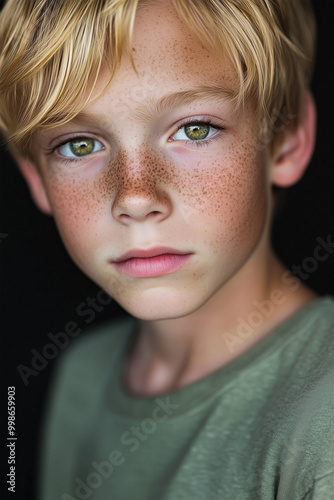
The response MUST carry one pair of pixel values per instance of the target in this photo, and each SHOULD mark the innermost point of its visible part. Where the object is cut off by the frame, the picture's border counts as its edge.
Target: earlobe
(295, 153)
(35, 184)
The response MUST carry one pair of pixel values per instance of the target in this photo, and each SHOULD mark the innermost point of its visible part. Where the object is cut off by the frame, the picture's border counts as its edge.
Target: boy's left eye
(195, 131)
(80, 146)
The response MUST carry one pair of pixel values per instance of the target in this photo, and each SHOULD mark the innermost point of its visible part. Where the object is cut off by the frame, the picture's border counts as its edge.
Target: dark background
(41, 288)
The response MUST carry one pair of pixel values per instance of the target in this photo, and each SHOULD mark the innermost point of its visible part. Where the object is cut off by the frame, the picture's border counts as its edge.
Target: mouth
(149, 263)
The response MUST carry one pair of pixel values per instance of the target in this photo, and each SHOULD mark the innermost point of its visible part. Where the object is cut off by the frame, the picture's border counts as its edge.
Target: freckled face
(187, 175)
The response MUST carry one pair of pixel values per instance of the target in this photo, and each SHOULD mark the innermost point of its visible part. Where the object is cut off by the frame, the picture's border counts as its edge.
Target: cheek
(77, 211)
(228, 194)
(245, 194)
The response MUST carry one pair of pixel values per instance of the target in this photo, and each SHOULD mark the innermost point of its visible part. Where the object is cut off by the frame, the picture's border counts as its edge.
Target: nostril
(124, 217)
(154, 214)
(139, 208)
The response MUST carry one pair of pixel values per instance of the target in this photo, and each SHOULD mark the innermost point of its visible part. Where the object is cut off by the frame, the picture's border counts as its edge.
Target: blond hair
(52, 52)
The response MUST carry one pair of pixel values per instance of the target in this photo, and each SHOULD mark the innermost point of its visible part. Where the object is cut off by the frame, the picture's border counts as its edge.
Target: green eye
(197, 131)
(81, 146)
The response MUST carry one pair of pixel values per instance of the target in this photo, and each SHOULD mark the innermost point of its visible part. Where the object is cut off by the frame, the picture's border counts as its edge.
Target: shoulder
(314, 360)
(310, 337)
(96, 349)
(319, 313)
(76, 389)
(306, 428)
(306, 461)
(83, 368)
(307, 359)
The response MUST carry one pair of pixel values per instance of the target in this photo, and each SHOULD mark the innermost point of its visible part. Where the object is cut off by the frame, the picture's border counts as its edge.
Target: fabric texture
(259, 428)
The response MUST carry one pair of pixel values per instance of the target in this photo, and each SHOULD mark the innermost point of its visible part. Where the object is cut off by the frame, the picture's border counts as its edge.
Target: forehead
(168, 57)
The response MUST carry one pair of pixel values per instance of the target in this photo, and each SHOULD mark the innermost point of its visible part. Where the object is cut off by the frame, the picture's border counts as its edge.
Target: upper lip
(150, 252)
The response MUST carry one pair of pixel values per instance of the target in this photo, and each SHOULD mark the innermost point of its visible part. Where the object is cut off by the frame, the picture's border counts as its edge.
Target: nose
(139, 208)
(140, 196)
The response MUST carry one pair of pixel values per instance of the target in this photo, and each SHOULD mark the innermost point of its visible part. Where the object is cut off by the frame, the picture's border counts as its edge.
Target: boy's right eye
(80, 146)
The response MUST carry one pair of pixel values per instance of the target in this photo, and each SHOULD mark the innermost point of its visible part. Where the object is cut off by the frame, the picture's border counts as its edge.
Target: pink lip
(149, 263)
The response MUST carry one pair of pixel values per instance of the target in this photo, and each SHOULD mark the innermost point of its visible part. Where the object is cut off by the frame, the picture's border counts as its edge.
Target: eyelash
(69, 160)
(201, 142)
(198, 143)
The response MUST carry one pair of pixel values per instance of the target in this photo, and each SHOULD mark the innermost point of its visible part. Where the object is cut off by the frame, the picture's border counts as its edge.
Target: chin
(160, 304)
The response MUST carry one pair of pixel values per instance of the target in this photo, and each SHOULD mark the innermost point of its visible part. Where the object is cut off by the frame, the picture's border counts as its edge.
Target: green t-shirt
(260, 428)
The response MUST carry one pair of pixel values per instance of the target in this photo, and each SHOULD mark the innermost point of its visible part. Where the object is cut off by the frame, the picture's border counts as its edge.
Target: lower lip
(151, 266)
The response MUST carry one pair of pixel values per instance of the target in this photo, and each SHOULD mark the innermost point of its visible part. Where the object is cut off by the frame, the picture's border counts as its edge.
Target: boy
(158, 165)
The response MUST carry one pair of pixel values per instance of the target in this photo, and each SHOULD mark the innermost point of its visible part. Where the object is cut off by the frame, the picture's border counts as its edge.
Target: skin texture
(146, 186)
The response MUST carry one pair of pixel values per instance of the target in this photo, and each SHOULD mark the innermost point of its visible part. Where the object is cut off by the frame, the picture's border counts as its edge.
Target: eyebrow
(84, 118)
(183, 98)
(172, 100)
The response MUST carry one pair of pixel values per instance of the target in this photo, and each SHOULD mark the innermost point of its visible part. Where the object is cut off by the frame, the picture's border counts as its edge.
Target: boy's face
(146, 180)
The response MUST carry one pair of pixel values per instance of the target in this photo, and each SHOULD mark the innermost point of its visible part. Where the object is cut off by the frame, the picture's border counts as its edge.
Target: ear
(35, 183)
(293, 156)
